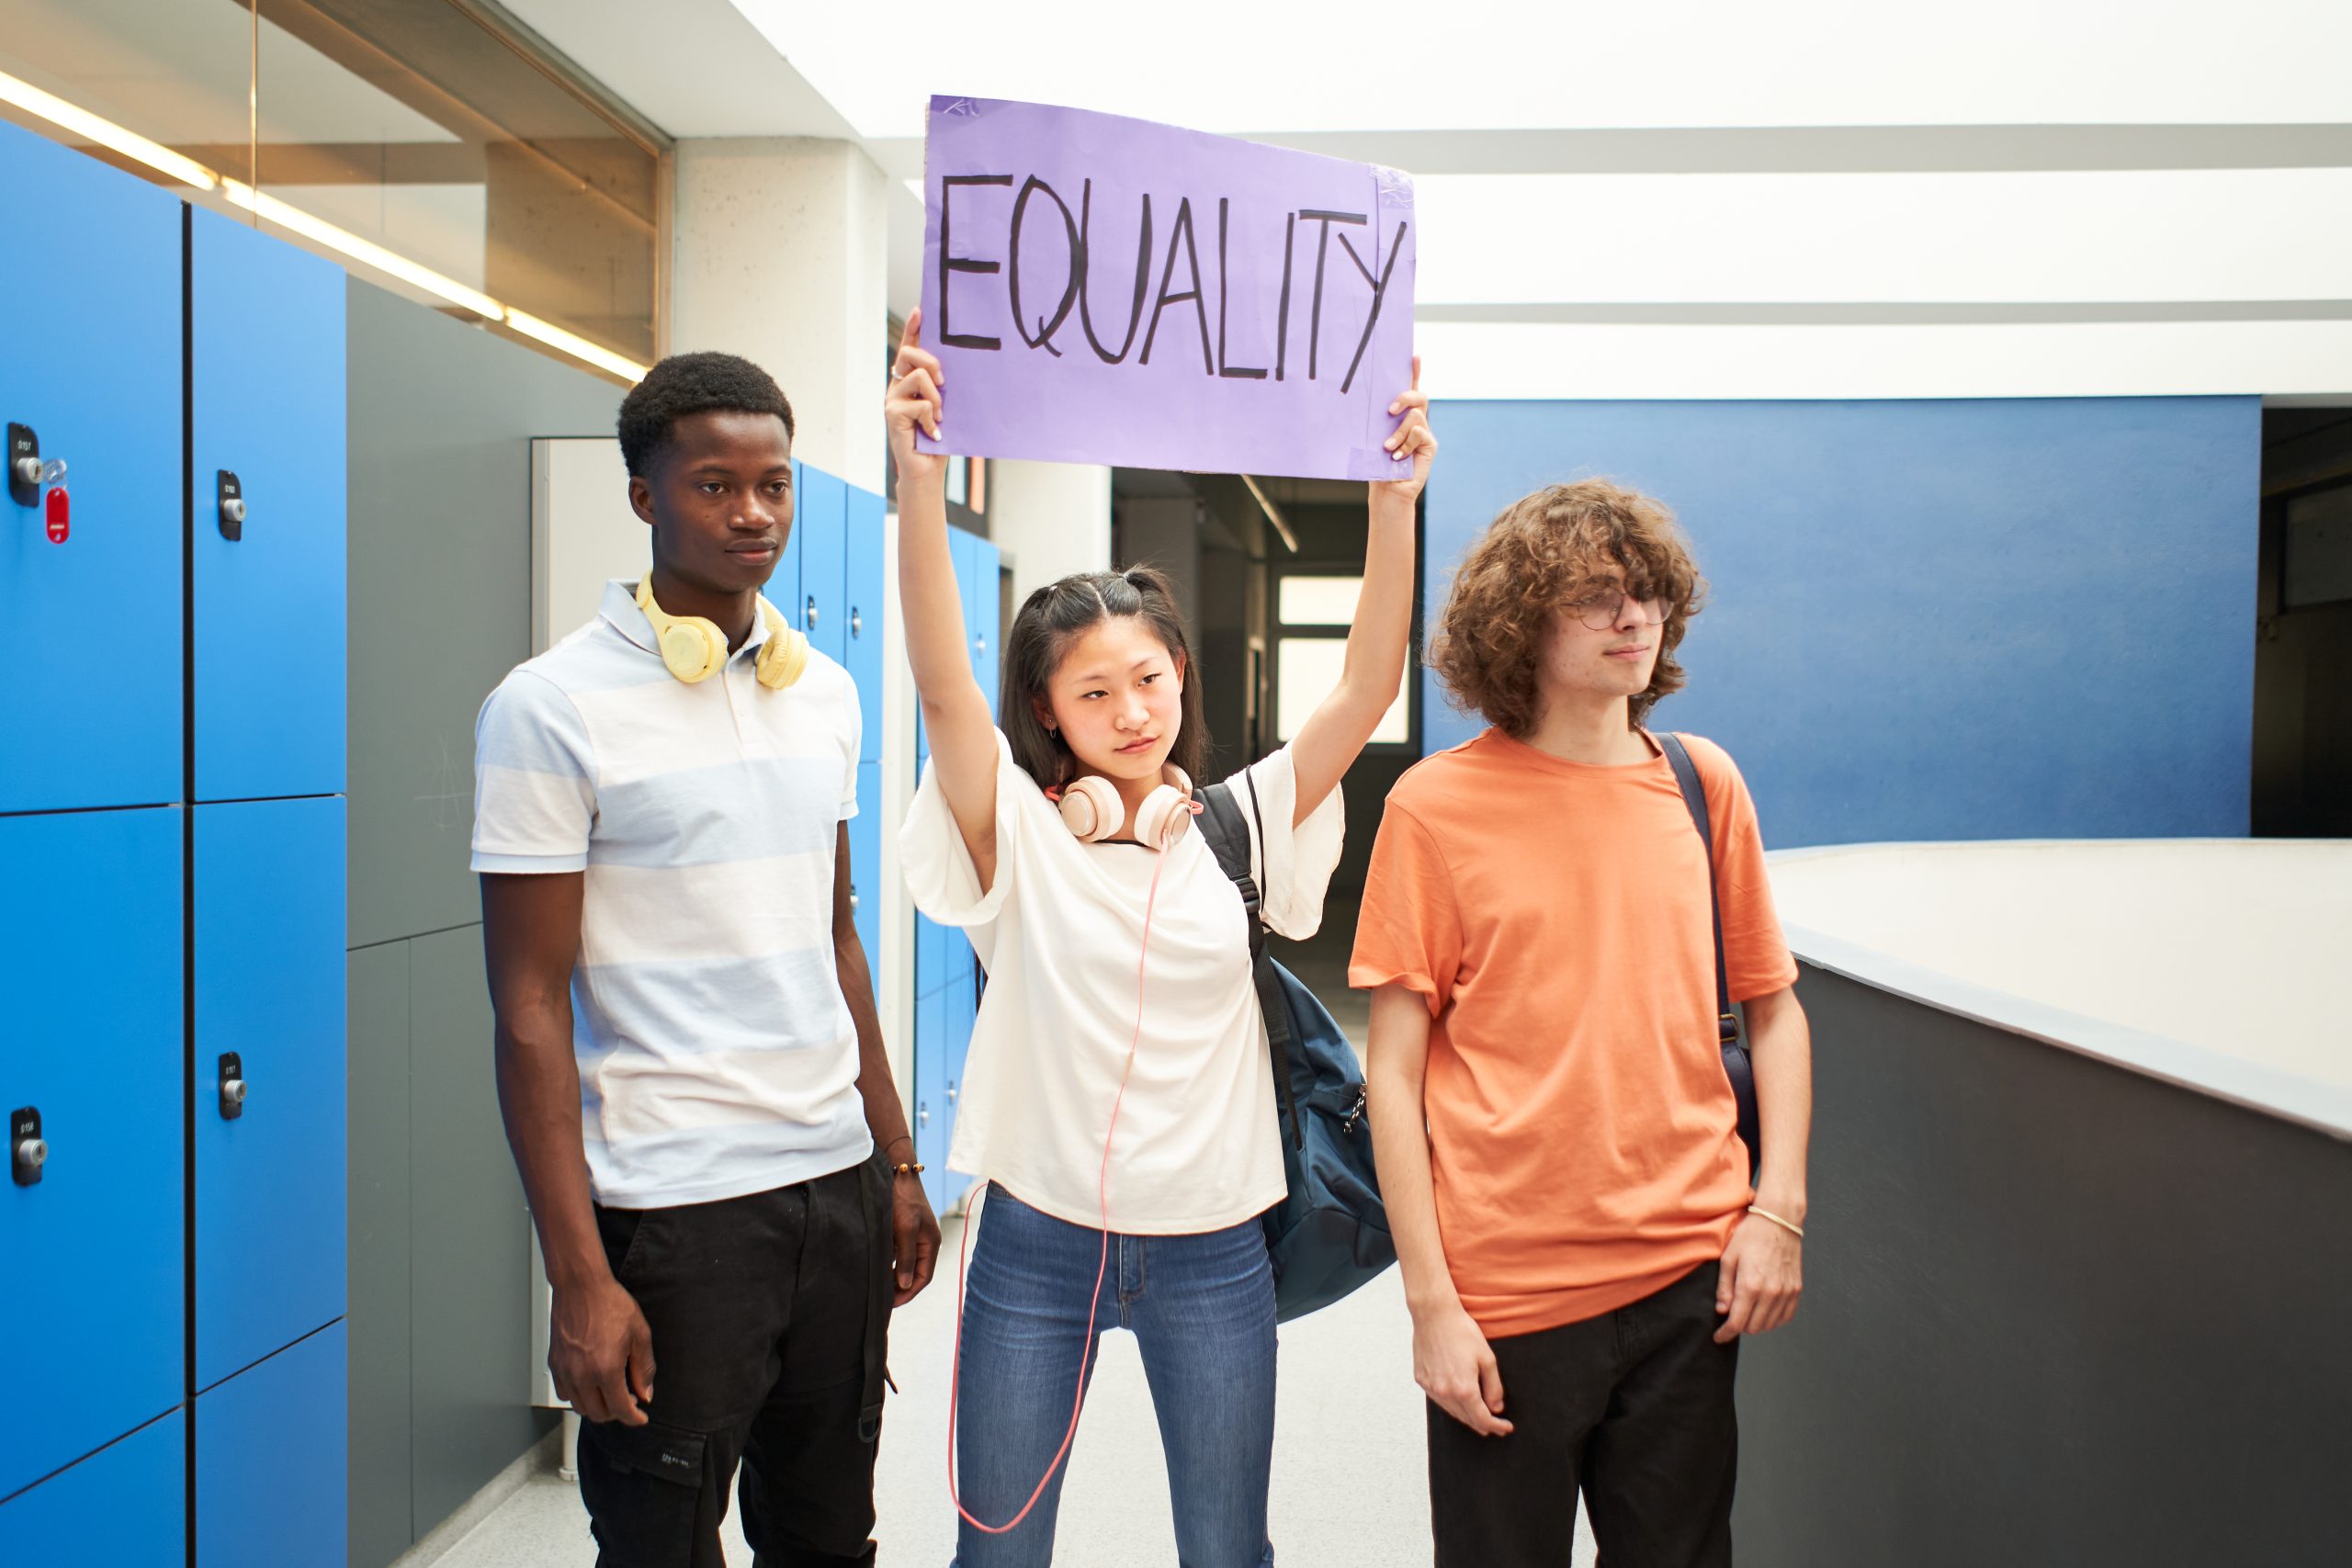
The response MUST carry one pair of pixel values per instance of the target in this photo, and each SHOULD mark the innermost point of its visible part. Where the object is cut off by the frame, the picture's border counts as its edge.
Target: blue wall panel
(268, 373)
(271, 1445)
(124, 1506)
(270, 974)
(90, 627)
(1935, 619)
(91, 968)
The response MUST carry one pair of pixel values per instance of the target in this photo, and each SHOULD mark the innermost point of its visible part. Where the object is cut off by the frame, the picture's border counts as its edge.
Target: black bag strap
(1228, 837)
(1694, 796)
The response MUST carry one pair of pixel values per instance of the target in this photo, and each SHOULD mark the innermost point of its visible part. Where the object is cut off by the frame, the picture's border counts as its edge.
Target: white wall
(779, 250)
(2236, 946)
(1050, 519)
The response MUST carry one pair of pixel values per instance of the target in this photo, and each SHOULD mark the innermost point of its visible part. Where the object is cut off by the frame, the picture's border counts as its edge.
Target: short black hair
(692, 383)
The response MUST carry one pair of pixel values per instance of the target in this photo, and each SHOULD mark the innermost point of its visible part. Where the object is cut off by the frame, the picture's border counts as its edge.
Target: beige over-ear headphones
(694, 648)
(1091, 807)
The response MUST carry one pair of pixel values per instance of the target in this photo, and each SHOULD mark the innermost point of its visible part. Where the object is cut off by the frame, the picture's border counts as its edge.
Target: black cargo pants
(769, 1315)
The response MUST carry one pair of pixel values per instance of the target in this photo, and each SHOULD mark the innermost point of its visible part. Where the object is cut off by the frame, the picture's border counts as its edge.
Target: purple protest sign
(1101, 289)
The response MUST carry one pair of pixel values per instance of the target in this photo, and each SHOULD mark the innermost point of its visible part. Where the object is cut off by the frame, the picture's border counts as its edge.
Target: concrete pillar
(1050, 519)
(779, 250)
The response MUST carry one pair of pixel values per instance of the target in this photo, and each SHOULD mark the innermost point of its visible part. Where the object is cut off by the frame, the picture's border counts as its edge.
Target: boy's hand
(913, 401)
(1455, 1367)
(914, 1234)
(1413, 442)
(601, 1352)
(1763, 1275)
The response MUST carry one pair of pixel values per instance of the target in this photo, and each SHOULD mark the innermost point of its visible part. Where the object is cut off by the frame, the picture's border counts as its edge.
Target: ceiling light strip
(80, 122)
(105, 132)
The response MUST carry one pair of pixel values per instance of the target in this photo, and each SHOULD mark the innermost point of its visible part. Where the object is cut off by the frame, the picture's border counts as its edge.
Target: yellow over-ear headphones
(694, 648)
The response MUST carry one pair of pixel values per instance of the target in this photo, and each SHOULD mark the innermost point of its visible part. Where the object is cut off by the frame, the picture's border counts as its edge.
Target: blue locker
(932, 1107)
(266, 378)
(90, 963)
(863, 610)
(818, 521)
(271, 1460)
(269, 986)
(126, 1503)
(956, 1014)
(960, 960)
(931, 954)
(866, 862)
(977, 573)
(784, 584)
(90, 670)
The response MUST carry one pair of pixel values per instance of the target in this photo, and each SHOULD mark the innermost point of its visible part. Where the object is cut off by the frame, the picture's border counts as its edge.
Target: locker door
(90, 627)
(126, 1503)
(784, 584)
(932, 1107)
(862, 610)
(271, 1482)
(818, 513)
(931, 954)
(866, 862)
(977, 574)
(266, 375)
(956, 1015)
(90, 963)
(269, 986)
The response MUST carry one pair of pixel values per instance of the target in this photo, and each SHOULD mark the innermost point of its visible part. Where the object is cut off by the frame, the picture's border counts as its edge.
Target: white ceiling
(1693, 199)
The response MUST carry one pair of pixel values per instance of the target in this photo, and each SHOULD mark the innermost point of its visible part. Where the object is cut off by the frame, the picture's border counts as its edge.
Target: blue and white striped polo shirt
(717, 1056)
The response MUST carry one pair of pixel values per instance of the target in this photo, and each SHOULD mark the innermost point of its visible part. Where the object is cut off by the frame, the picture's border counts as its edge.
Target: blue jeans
(1202, 1306)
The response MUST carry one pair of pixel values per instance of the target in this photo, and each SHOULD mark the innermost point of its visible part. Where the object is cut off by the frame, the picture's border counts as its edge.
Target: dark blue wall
(2025, 618)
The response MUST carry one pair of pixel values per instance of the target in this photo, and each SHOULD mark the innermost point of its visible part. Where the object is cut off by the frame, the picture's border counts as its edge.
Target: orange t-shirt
(1583, 1137)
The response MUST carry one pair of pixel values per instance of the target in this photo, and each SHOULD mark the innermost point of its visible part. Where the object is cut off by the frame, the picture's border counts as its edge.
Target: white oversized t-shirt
(1058, 933)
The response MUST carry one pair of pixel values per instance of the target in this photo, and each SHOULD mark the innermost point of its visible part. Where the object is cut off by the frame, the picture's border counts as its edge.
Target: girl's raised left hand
(1413, 442)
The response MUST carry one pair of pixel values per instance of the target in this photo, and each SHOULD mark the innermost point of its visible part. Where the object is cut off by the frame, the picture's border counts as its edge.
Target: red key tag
(60, 515)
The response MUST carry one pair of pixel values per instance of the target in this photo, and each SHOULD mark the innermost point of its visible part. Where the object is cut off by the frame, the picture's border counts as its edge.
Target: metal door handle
(922, 1115)
(951, 1094)
(812, 613)
(856, 621)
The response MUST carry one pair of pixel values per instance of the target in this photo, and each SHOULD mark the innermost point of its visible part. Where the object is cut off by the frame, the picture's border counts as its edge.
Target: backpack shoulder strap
(1228, 837)
(1694, 796)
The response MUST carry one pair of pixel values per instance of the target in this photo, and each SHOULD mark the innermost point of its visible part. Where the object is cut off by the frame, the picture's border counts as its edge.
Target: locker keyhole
(232, 1087)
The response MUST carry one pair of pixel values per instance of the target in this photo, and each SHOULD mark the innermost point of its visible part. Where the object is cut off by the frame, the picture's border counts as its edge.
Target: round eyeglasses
(1602, 611)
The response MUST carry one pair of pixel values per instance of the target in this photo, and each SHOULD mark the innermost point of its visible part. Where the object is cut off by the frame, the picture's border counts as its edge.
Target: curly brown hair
(1546, 550)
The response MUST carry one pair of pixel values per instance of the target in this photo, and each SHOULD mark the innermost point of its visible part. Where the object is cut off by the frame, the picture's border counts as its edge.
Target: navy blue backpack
(1330, 1233)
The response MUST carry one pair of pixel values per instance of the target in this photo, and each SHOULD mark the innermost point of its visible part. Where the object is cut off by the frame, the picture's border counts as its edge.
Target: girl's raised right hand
(912, 401)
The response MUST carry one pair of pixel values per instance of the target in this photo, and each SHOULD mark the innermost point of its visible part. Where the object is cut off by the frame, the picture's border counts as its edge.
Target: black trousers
(769, 1316)
(1634, 1408)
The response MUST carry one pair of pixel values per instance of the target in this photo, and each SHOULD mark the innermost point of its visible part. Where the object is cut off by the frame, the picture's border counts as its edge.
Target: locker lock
(232, 1087)
(853, 895)
(28, 1150)
(811, 616)
(856, 621)
(24, 465)
(231, 495)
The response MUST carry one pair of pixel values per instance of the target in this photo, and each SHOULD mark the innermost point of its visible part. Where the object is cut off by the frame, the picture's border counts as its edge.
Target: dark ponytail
(1052, 618)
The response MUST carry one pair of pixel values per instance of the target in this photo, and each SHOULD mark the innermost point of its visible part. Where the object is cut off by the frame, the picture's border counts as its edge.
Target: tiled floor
(1350, 1487)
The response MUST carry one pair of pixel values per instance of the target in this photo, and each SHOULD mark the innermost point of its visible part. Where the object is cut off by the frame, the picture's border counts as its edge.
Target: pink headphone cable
(1086, 1355)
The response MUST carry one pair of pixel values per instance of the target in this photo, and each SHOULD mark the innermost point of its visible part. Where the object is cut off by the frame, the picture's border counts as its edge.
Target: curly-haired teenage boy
(1557, 1133)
